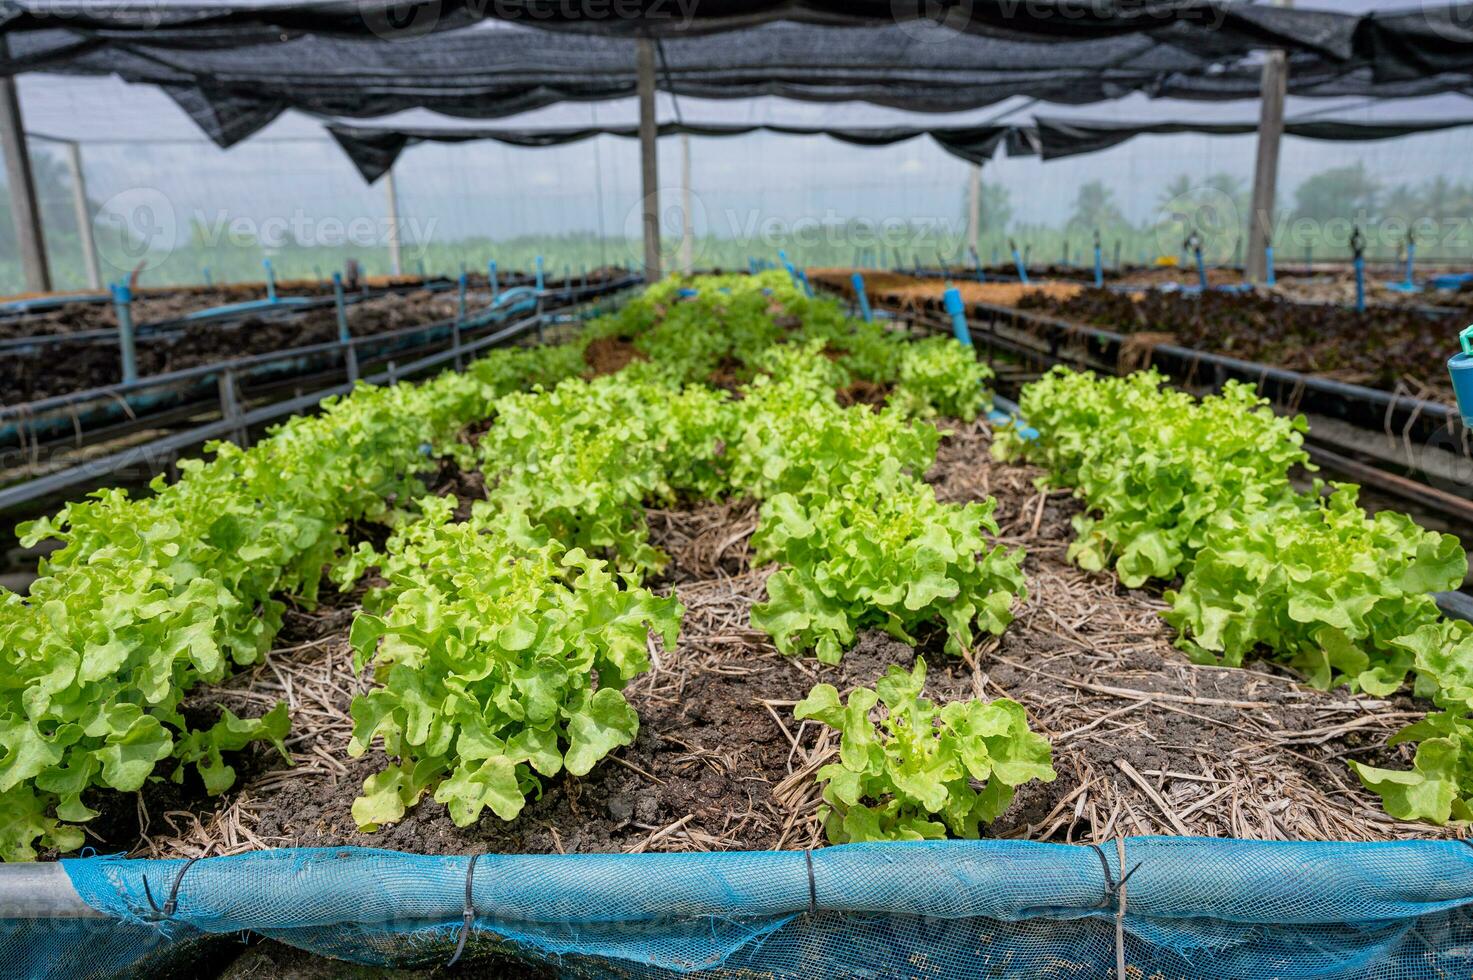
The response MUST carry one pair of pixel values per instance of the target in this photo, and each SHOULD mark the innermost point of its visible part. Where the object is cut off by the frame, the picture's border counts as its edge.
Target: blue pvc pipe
(1411, 265)
(123, 303)
(209, 280)
(539, 273)
(952, 301)
(1360, 284)
(342, 309)
(863, 298)
(1460, 367)
(807, 287)
(1099, 268)
(1201, 270)
(1022, 269)
(491, 277)
(270, 281)
(1269, 257)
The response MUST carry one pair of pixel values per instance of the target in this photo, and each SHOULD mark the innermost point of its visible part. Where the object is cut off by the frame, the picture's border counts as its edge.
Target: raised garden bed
(1145, 742)
(76, 366)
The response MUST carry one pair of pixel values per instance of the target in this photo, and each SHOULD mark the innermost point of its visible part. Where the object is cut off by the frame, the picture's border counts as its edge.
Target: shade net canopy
(200, 23)
(577, 202)
(494, 68)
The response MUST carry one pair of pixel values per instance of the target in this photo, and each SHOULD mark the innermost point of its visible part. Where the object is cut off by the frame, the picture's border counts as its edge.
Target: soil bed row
(75, 366)
(1145, 742)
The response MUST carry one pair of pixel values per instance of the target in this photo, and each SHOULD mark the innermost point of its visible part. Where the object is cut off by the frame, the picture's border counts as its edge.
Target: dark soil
(607, 355)
(77, 365)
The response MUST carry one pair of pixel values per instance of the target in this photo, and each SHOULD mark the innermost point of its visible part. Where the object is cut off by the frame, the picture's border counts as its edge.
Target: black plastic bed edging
(1428, 423)
(229, 424)
(30, 422)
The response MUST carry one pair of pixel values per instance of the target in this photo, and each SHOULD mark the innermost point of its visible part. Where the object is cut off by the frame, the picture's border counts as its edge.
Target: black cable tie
(469, 915)
(812, 885)
(171, 904)
(1112, 887)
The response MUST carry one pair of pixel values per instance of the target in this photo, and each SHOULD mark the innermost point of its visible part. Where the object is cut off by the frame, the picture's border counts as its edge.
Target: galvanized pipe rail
(234, 421)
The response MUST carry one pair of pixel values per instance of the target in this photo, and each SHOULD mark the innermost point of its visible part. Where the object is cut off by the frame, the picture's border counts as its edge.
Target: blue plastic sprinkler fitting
(807, 287)
(1099, 264)
(1411, 283)
(123, 302)
(342, 309)
(1268, 254)
(1018, 261)
(209, 280)
(539, 273)
(1201, 270)
(1358, 244)
(1460, 366)
(952, 301)
(751, 266)
(862, 297)
(270, 281)
(491, 278)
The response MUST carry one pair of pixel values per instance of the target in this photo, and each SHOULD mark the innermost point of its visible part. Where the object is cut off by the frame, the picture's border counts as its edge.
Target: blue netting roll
(1195, 908)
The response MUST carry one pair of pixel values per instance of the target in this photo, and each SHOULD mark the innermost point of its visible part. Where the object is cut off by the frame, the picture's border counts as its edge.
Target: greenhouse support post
(84, 214)
(649, 168)
(391, 195)
(974, 206)
(24, 209)
(1275, 87)
(687, 228)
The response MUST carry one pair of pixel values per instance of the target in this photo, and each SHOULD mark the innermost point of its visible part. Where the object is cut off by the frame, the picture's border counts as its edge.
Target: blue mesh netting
(1195, 909)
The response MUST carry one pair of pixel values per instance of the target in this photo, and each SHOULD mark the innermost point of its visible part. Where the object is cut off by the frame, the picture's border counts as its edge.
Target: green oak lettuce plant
(920, 771)
(1156, 469)
(881, 553)
(1326, 587)
(499, 660)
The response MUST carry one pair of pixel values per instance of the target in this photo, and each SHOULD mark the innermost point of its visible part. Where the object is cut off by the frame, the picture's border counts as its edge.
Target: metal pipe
(396, 264)
(1274, 89)
(649, 166)
(25, 212)
(84, 214)
(687, 226)
(41, 891)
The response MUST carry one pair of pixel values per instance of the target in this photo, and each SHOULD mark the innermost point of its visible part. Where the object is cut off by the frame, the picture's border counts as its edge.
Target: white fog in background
(136, 142)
